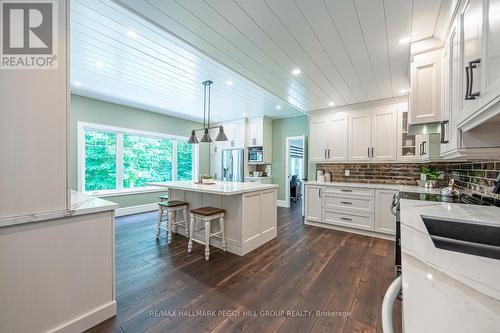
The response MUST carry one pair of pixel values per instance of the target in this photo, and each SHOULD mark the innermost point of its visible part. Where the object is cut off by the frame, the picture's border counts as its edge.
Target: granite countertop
(396, 187)
(221, 188)
(445, 291)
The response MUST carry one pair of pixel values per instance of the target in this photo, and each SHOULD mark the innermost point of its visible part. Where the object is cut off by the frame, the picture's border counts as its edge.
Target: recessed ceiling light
(278, 107)
(77, 83)
(99, 64)
(296, 71)
(331, 103)
(132, 34)
(403, 91)
(229, 82)
(244, 114)
(405, 40)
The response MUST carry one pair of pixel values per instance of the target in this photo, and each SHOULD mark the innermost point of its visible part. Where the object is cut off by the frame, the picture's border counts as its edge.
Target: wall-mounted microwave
(255, 155)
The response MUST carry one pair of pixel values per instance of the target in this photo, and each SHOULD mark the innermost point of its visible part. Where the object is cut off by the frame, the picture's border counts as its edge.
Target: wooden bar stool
(207, 214)
(172, 208)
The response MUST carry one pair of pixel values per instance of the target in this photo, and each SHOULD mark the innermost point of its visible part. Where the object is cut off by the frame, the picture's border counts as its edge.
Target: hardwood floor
(160, 288)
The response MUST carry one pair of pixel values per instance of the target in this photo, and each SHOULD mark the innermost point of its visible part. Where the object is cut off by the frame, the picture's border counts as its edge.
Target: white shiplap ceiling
(348, 51)
(122, 58)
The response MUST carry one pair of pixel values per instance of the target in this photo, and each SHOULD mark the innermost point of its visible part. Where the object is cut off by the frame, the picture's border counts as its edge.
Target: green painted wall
(283, 128)
(100, 112)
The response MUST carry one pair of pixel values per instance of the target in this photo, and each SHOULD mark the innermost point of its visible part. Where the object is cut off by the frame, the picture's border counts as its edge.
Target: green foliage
(145, 159)
(431, 173)
(100, 161)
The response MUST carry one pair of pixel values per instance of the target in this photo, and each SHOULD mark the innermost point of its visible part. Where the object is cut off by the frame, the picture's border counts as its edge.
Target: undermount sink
(464, 236)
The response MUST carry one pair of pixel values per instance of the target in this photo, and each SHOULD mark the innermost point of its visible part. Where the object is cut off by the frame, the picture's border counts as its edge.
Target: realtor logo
(29, 34)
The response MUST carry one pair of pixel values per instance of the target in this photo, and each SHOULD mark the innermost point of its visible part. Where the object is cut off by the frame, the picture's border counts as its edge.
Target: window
(117, 160)
(100, 160)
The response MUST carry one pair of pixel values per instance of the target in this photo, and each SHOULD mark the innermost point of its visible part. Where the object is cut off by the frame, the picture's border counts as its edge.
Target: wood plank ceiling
(300, 55)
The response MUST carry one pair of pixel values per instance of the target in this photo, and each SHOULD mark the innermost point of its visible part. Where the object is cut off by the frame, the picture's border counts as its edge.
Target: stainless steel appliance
(255, 154)
(232, 165)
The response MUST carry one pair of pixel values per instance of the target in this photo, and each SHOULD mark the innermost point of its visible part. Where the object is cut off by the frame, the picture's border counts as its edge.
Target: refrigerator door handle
(388, 304)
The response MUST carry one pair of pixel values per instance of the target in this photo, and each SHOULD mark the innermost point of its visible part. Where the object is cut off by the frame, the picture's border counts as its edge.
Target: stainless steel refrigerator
(232, 165)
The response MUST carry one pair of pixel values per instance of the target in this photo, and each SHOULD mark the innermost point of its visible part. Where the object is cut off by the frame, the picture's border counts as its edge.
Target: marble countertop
(221, 188)
(396, 187)
(253, 177)
(80, 204)
(445, 291)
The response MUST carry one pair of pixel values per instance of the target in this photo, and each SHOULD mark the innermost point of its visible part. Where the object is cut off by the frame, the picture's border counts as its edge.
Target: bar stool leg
(221, 224)
(207, 239)
(170, 225)
(191, 227)
(158, 224)
(186, 229)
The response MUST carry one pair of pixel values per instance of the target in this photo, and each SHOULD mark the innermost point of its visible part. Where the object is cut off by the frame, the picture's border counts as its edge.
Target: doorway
(294, 170)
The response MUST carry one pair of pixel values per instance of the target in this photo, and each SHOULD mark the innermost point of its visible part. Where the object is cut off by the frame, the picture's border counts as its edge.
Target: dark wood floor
(160, 287)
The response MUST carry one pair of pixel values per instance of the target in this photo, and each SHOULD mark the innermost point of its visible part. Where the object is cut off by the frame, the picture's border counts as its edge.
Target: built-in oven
(255, 155)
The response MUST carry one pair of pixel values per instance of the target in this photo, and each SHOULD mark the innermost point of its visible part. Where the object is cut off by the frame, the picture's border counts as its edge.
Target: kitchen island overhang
(251, 210)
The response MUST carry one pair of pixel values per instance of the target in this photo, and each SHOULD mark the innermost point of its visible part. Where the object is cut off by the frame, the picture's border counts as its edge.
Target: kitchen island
(251, 210)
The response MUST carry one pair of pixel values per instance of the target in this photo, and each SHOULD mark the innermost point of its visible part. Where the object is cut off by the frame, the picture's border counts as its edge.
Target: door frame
(287, 167)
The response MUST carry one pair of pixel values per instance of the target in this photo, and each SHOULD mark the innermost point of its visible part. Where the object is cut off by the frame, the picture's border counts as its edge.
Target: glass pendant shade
(221, 136)
(193, 138)
(206, 137)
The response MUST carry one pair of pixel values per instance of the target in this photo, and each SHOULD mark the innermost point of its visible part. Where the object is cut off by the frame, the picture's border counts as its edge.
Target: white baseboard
(283, 203)
(136, 209)
(88, 320)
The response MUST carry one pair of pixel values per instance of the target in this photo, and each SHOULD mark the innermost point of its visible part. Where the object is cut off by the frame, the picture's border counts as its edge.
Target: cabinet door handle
(345, 218)
(346, 202)
(325, 154)
(469, 70)
(368, 152)
(320, 192)
(372, 152)
(328, 153)
(423, 148)
(344, 190)
(443, 130)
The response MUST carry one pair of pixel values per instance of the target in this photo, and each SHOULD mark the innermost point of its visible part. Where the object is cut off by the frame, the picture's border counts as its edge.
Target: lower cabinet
(363, 209)
(385, 221)
(313, 205)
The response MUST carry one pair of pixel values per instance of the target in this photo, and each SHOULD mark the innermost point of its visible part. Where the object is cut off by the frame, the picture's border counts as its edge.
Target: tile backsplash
(478, 176)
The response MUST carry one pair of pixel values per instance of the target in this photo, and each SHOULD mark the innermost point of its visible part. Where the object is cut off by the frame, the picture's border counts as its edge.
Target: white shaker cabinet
(328, 138)
(425, 95)
(384, 129)
(318, 139)
(313, 204)
(360, 136)
(385, 221)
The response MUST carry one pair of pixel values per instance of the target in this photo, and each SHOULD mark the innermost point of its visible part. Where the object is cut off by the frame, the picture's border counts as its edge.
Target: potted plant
(206, 179)
(430, 176)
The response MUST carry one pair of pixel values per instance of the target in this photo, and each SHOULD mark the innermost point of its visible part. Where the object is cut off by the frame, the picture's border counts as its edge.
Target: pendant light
(221, 136)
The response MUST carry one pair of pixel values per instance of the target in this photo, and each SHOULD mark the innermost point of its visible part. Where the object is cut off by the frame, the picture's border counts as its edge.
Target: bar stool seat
(207, 215)
(163, 197)
(173, 208)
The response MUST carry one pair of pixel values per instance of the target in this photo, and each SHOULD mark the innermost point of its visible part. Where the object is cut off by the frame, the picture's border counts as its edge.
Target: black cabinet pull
(443, 130)
(346, 202)
(469, 71)
(372, 152)
(345, 218)
(423, 148)
(344, 190)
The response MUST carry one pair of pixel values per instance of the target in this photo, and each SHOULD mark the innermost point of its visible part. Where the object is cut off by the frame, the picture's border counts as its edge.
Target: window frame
(120, 132)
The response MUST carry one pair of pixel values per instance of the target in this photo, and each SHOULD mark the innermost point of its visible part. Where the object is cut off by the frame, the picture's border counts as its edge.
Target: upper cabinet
(471, 85)
(355, 136)
(479, 27)
(372, 133)
(259, 133)
(425, 94)
(328, 138)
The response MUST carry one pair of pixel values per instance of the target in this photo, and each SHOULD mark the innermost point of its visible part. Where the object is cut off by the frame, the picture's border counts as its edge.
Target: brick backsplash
(477, 176)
